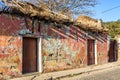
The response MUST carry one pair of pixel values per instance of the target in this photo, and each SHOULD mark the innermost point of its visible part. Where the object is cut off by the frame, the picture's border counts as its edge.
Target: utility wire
(111, 9)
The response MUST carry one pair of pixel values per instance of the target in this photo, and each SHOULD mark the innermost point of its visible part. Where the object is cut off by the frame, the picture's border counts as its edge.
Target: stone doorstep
(65, 73)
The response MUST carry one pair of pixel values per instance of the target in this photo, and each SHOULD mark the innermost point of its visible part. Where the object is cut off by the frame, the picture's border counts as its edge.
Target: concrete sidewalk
(61, 74)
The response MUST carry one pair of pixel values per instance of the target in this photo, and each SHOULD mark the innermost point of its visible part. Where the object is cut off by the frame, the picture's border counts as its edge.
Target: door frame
(39, 53)
(95, 44)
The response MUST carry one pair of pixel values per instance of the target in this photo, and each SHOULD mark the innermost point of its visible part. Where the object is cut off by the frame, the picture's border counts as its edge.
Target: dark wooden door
(29, 55)
(91, 52)
(112, 51)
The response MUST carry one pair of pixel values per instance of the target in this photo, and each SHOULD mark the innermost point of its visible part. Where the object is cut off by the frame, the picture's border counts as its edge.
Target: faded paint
(61, 51)
(62, 48)
(67, 48)
(102, 50)
(10, 47)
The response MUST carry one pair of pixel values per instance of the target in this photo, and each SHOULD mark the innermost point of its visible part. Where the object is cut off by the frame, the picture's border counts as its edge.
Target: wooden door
(91, 52)
(29, 55)
(112, 51)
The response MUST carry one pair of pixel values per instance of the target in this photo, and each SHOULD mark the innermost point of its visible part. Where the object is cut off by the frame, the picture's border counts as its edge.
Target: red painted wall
(66, 47)
(62, 48)
(102, 50)
(10, 47)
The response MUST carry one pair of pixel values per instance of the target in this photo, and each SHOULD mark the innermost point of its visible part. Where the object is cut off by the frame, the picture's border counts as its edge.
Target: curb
(66, 73)
(88, 71)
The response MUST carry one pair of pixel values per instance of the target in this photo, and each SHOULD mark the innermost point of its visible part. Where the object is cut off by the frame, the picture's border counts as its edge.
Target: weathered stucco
(63, 47)
(102, 50)
(66, 47)
(10, 47)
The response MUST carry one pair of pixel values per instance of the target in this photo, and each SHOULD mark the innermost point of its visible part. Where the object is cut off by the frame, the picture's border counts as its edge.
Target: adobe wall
(62, 47)
(10, 47)
(66, 47)
(103, 50)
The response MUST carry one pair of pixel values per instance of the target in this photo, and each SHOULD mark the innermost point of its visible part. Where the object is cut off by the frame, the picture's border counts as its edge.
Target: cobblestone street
(107, 74)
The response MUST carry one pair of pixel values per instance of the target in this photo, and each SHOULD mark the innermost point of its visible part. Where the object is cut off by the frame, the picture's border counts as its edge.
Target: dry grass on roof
(89, 23)
(34, 11)
(27, 8)
(84, 18)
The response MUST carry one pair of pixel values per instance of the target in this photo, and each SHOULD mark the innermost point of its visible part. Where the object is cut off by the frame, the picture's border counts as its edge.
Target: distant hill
(114, 28)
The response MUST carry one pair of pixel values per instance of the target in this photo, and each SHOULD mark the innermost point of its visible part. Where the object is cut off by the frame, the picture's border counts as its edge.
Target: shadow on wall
(15, 23)
(113, 53)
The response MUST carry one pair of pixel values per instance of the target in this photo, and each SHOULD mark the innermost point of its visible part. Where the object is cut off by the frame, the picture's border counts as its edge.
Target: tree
(68, 7)
(65, 7)
(114, 28)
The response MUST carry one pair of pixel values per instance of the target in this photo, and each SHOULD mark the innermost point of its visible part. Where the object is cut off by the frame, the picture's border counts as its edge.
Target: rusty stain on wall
(66, 48)
(10, 47)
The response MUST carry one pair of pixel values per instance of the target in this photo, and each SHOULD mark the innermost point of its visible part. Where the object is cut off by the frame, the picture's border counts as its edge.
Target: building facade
(42, 46)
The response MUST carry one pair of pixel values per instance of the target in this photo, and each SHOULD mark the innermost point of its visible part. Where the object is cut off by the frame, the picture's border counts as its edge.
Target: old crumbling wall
(63, 47)
(66, 47)
(102, 49)
(10, 46)
(11, 26)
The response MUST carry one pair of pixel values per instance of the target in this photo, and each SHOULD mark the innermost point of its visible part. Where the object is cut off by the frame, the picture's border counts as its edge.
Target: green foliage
(114, 28)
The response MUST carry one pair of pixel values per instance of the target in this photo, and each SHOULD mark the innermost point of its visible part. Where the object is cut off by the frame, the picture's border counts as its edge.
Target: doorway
(91, 51)
(29, 63)
(112, 51)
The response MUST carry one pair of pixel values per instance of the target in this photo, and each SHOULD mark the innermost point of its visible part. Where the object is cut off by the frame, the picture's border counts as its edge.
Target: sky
(1, 4)
(103, 5)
